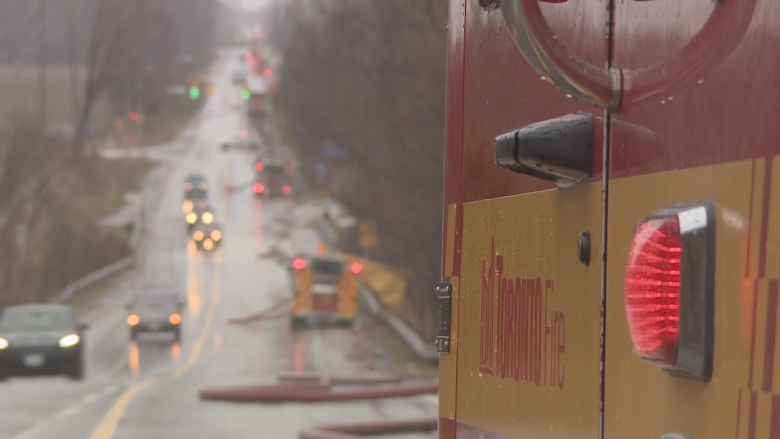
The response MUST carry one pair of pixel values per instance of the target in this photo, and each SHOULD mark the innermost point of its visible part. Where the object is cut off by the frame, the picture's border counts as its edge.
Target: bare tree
(370, 77)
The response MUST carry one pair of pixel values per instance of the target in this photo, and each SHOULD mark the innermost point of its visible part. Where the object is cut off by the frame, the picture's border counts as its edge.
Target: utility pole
(74, 79)
(42, 95)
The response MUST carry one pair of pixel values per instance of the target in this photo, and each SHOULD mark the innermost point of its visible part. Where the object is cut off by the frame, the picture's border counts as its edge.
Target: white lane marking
(38, 428)
(110, 389)
(89, 398)
(68, 411)
(34, 430)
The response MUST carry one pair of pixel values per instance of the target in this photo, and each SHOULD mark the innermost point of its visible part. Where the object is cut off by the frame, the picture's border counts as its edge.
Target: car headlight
(208, 218)
(133, 320)
(208, 244)
(69, 341)
(3, 344)
(216, 235)
(192, 217)
(198, 235)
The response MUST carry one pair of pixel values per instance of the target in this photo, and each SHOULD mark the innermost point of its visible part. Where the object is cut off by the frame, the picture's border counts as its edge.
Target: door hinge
(443, 318)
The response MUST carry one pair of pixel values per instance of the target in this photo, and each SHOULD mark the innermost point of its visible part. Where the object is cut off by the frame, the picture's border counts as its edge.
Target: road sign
(322, 172)
(368, 235)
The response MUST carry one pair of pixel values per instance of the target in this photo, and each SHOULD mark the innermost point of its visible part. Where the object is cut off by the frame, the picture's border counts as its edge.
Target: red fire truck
(611, 220)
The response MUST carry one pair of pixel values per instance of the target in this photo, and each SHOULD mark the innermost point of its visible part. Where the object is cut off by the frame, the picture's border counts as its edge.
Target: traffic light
(194, 93)
(245, 94)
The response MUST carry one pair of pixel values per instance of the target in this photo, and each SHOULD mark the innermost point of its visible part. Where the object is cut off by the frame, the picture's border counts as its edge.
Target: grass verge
(85, 300)
(167, 126)
(398, 355)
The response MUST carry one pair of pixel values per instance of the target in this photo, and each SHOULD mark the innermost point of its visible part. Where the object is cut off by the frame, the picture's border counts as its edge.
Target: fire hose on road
(318, 388)
(359, 429)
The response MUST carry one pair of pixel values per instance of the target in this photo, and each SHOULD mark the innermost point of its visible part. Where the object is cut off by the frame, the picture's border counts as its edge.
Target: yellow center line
(109, 423)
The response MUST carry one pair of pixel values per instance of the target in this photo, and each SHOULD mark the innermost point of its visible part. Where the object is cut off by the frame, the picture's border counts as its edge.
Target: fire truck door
(698, 138)
(522, 254)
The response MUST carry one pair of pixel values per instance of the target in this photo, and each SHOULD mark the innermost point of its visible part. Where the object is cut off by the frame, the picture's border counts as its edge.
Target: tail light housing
(259, 188)
(299, 263)
(356, 267)
(133, 320)
(286, 189)
(175, 318)
(669, 289)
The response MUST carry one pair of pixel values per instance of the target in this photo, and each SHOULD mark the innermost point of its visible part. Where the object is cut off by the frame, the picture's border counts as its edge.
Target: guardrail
(423, 350)
(94, 278)
(152, 182)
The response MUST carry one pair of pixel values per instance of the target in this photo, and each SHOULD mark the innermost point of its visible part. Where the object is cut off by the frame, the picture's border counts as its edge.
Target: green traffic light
(245, 94)
(194, 92)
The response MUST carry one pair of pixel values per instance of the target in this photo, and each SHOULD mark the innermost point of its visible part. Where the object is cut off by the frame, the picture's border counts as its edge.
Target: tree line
(369, 77)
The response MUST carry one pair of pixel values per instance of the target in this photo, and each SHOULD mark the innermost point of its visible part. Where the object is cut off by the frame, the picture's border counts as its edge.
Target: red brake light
(356, 267)
(259, 188)
(286, 189)
(259, 166)
(267, 72)
(299, 264)
(653, 289)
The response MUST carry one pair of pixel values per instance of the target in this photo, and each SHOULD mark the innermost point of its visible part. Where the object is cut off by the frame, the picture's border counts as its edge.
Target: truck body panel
(540, 344)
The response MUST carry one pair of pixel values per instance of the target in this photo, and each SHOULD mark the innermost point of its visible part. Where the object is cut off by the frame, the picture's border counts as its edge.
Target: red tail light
(669, 289)
(267, 72)
(356, 267)
(299, 263)
(653, 289)
(286, 189)
(259, 188)
(259, 166)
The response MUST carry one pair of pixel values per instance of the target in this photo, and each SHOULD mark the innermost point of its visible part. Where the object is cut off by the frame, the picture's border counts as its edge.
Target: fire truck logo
(521, 336)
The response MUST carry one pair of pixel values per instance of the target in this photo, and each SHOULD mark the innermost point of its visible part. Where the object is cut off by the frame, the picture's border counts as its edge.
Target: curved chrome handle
(621, 89)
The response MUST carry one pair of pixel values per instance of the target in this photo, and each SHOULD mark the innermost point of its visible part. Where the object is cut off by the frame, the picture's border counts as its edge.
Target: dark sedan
(195, 187)
(41, 340)
(155, 311)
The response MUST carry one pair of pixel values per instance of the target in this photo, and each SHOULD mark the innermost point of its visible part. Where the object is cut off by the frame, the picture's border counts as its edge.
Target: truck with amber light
(325, 291)
(611, 221)
(273, 178)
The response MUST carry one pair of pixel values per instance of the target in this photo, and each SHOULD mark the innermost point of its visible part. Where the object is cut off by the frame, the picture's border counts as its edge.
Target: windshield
(274, 169)
(36, 320)
(155, 301)
(327, 266)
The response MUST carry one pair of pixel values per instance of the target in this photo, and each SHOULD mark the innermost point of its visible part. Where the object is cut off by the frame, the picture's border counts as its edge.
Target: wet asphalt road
(149, 389)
